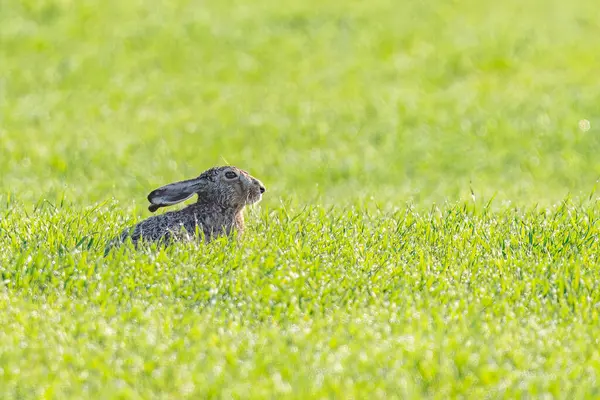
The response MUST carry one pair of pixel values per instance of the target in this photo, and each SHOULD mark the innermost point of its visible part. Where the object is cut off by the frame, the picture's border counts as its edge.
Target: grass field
(431, 226)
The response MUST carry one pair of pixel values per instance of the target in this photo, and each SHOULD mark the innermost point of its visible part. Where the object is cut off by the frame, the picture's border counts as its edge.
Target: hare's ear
(174, 193)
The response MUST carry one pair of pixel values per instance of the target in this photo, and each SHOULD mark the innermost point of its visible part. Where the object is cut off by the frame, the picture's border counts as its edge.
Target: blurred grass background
(326, 101)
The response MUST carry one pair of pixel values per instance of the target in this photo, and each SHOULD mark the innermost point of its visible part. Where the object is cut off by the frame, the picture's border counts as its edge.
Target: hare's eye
(230, 175)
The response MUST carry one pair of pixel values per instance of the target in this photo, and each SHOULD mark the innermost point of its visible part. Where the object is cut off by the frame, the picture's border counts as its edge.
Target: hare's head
(228, 186)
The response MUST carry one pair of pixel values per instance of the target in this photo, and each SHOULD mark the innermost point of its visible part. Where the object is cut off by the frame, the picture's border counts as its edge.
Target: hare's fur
(223, 192)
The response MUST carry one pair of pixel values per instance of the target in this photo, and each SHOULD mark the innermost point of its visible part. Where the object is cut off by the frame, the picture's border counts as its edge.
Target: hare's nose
(260, 185)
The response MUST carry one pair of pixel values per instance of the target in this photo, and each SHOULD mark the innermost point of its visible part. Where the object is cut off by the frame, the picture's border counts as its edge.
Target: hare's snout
(256, 191)
(261, 187)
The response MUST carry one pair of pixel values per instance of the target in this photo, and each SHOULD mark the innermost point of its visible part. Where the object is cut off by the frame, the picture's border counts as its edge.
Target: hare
(223, 192)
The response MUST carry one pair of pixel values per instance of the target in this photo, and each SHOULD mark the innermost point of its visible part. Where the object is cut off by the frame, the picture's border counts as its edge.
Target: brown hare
(223, 192)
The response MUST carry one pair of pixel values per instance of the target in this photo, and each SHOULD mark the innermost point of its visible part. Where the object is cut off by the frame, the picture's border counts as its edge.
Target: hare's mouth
(254, 198)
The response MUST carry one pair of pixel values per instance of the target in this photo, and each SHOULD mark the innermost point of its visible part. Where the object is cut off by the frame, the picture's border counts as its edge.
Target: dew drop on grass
(584, 125)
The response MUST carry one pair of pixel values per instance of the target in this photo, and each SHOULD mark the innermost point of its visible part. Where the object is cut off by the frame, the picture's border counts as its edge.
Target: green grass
(431, 226)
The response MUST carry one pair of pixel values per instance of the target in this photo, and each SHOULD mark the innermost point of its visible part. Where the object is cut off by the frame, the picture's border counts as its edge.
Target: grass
(431, 226)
